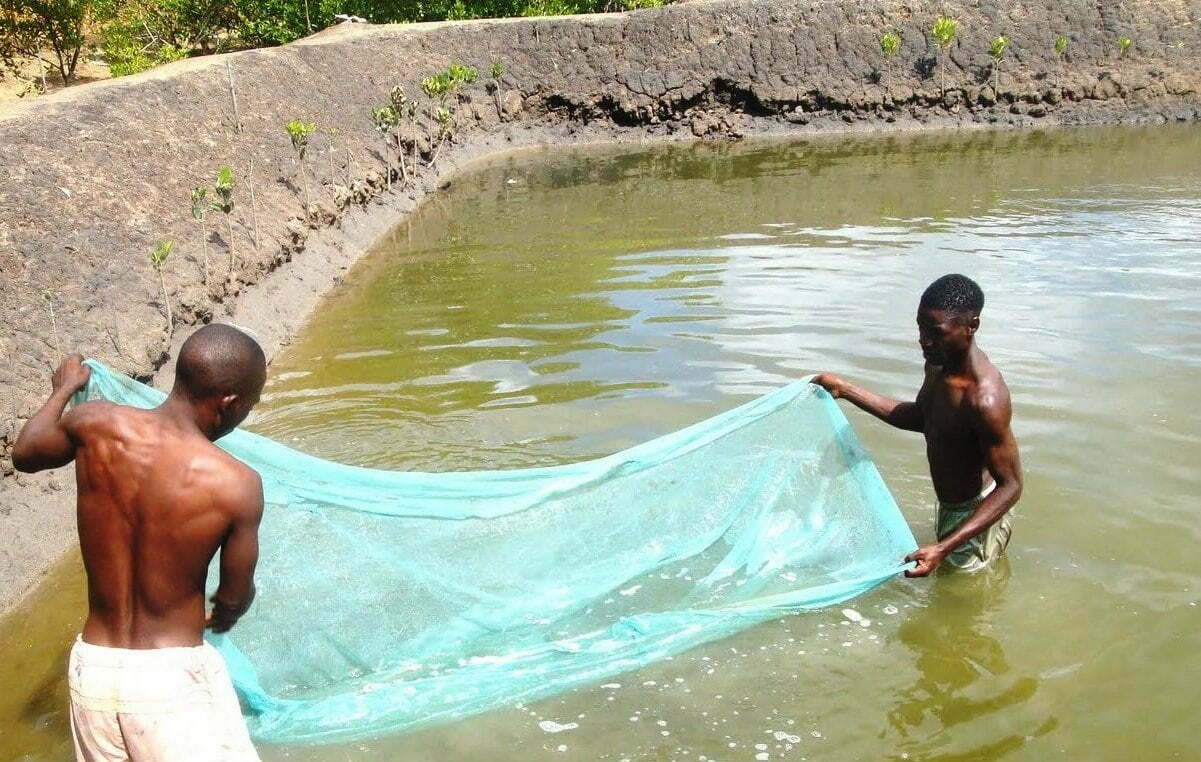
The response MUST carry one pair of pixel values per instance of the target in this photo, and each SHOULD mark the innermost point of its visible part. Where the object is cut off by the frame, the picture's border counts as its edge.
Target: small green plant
(1061, 50)
(462, 74)
(437, 85)
(199, 212)
(384, 118)
(440, 86)
(890, 44)
(405, 109)
(299, 132)
(1061, 46)
(158, 257)
(445, 124)
(224, 188)
(1124, 44)
(497, 71)
(997, 49)
(944, 31)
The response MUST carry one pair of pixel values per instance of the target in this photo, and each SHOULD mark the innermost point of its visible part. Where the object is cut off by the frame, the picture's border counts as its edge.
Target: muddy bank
(94, 176)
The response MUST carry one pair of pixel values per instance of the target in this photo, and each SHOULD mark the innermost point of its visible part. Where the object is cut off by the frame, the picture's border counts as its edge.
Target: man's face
(943, 334)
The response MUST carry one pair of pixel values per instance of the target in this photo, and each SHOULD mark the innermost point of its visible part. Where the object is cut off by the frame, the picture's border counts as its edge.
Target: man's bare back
(156, 502)
(963, 410)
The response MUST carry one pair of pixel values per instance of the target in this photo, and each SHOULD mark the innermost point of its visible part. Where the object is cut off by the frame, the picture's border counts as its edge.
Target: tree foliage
(28, 27)
(143, 33)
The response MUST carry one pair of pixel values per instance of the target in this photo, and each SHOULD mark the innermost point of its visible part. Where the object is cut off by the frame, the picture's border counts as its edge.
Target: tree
(26, 26)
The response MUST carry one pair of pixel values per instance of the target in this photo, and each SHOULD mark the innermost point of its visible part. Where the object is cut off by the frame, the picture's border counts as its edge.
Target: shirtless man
(963, 409)
(156, 500)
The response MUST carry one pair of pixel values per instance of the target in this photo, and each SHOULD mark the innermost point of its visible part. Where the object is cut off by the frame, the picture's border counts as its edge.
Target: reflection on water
(956, 658)
(558, 306)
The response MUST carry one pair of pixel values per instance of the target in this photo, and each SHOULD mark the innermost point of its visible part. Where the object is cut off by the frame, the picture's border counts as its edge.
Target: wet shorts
(174, 704)
(980, 551)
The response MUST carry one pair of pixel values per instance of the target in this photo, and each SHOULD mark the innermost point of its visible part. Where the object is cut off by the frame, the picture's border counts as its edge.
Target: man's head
(220, 371)
(947, 318)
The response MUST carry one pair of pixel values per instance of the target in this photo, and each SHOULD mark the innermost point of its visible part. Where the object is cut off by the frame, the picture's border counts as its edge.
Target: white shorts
(175, 704)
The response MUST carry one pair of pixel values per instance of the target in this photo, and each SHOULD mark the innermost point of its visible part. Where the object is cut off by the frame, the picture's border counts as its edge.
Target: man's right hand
(72, 375)
(222, 618)
(830, 382)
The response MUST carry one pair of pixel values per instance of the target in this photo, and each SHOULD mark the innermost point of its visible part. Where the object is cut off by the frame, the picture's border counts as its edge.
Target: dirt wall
(94, 176)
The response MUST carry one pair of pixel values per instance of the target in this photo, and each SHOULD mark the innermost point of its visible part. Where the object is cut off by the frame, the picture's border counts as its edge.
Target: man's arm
(903, 415)
(44, 441)
(1001, 456)
(239, 555)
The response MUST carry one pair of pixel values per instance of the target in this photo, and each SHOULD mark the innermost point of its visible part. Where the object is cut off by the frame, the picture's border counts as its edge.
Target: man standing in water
(964, 410)
(156, 500)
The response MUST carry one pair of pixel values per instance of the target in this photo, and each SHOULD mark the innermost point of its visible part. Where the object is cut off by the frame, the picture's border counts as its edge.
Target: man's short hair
(957, 294)
(219, 360)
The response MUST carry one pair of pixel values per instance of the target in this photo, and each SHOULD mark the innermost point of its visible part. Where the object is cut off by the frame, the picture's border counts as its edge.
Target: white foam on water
(550, 726)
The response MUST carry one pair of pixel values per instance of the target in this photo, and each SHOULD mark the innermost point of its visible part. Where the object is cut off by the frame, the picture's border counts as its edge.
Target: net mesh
(392, 600)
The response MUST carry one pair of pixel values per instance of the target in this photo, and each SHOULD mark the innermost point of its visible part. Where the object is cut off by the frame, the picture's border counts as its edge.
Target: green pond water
(555, 306)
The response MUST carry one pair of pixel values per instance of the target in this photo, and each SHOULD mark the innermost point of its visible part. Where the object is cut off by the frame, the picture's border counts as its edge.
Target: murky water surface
(559, 306)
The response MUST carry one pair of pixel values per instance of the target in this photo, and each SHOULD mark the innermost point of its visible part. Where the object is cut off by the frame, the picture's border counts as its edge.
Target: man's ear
(973, 325)
(228, 402)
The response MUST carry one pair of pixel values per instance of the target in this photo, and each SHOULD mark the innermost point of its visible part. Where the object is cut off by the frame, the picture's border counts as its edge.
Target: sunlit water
(558, 306)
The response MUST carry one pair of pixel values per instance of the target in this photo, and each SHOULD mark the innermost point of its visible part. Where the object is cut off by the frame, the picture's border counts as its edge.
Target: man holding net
(156, 501)
(963, 409)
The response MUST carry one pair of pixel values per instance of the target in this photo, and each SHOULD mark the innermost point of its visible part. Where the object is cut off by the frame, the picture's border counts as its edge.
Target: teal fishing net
(390, 600)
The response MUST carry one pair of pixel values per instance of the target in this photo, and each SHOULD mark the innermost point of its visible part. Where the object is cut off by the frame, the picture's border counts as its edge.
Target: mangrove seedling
(890, 44)
(944, 30)
(199, 211)
(405, 109)
(48, 297)
(384, 119)
(224, 188)
(437, 85)
(461, 74)
(299, 132)
(158, 256)
(498, 71)
(1124, 44)
(445, 124)
(997, 49)
(1061, 50)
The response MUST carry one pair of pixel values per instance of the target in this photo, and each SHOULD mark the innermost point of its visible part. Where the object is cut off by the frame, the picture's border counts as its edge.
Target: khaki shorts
(155, 704)
(983, 549)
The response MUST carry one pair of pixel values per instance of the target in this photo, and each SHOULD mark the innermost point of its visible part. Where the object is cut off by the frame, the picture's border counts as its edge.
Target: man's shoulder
(98, 417)
(989, 396)
(232, 482)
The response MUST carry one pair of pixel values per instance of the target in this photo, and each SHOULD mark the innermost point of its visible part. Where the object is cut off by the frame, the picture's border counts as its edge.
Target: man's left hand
(928, 557)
